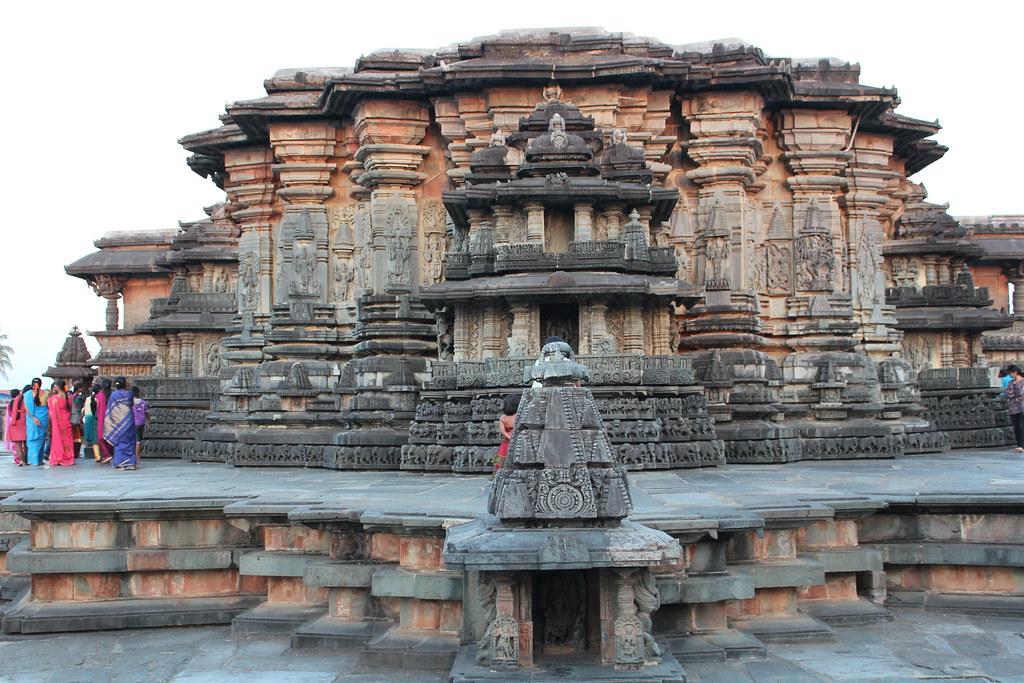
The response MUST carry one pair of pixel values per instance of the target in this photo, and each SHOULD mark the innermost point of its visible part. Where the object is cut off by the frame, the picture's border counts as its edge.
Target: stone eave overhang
(176, 257)
(560, 286)
(177, 322)
(117, 262)
(1000, 249)
(934, 318)
(968, 249)
(909, 138)
(596, 190)
(216, 140)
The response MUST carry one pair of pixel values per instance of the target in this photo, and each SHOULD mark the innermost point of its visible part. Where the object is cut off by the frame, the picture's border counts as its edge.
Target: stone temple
(732, 243)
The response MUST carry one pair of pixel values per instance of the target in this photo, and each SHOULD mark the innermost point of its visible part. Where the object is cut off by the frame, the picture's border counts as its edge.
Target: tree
(5, 356)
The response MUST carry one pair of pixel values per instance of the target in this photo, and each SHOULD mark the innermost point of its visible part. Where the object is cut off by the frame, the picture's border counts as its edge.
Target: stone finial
(556, 366)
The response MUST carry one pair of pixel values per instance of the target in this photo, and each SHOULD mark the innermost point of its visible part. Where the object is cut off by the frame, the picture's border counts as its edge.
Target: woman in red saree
(62, 436)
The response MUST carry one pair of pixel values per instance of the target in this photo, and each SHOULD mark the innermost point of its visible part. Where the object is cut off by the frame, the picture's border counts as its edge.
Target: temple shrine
(732, 243)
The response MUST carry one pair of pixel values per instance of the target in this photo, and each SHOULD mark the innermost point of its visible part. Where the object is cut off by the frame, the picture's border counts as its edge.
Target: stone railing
(937, 295)
(618, 369)
(193, 302)
(191, 388)
(529, 257)
(938, 379)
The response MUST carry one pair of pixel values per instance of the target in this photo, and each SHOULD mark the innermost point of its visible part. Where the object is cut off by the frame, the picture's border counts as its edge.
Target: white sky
(96, 94)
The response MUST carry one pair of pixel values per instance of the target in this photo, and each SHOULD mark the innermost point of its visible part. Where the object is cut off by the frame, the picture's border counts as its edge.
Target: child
(140, 411)
(505, 424)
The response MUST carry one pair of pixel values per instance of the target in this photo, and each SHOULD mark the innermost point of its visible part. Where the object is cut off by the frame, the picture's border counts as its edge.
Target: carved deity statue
(249, 280)
(717, 254)
(221, 282)
(343, 278)
(304, 265)
(556, 129)
(214, 361)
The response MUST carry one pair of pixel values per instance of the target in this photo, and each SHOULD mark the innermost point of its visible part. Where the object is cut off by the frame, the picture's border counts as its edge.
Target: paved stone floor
(960, 474)
(918, 646)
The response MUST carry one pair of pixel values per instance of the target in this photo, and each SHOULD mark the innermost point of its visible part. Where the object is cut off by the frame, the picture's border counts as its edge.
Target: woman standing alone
(15, 433)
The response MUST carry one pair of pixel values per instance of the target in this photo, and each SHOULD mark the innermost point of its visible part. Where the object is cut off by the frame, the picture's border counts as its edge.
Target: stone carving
(779, 267)
(629, 642)
(433, 254)
(304, 281)
(344, 276)
(213, 360)
(249, 281)
(647, 600)
(717, 253)
(869, 259)
(504, 644)
(815, 258)
(904, 271)
(398, 228)
(221, 281)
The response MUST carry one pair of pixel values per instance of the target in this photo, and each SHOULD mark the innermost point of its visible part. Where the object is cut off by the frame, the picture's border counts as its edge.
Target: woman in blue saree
(37, 421)
(119, 425)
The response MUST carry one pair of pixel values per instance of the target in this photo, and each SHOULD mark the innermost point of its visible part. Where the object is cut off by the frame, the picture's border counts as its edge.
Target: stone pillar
(109, 287)
(494, 341)
(187, 346)
(868, 176)
(728, 146)
(502, 214)
(1018, 298)
(174, 364)
(613, 220)
(584, 228)
(250, 191)
(633, 329)
(518, 343)
(535, 222)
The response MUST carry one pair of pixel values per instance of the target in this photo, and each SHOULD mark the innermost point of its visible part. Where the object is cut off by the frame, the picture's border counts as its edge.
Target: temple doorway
(565, 612)
(561, 320)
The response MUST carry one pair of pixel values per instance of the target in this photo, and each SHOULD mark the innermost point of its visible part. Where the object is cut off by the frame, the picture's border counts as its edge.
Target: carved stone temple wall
(731, 242)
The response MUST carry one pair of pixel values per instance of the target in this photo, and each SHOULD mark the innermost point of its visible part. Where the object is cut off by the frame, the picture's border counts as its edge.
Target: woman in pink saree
(62, 436)
(106, 450)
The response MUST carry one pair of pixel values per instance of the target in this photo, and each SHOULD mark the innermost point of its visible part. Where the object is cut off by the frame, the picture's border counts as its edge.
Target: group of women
(61, 425)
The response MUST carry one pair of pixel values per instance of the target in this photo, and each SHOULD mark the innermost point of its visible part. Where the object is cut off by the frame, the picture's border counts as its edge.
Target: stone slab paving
(918, 646)
(985, 475)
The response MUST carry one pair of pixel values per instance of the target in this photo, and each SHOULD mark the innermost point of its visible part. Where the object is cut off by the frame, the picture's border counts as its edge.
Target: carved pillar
(462, 340)
(109, 287)
(584, 231)
(868, 176)
(389, 134)
(633, 329)
(518, 343)
(613, 220)
(250, 190)
(535, 222)
(187, 346)
(494, 339)
(174, 366)
(815, 144)
(728, 146)
(305, 174)
(502, 214)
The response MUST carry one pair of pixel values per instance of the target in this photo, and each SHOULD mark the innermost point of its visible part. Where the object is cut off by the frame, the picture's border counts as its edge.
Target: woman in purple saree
(119, 425)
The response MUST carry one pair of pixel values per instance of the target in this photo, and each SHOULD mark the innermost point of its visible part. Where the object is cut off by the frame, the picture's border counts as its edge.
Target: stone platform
(352, 560)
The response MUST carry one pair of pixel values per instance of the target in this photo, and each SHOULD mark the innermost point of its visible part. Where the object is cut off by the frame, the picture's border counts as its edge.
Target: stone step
(26, 616)
(407, 649)
(584, 667)
(986, 605)
(716, 646)
(276, 620)
(798, 628)
(853, 612)
(331, 633)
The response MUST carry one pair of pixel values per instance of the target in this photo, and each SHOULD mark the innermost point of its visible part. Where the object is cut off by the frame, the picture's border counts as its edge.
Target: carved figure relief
(815, 262)
(432, 259)
(361, 256)
(758, 268)
(213, 360)
(221, 281)
(344, 275)
(717, 253)
(398, 228)
(904, 271)
(249, 280)
(780, 270)
(556, 128)
(445, 340)
(869, 260)
(342, 219)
